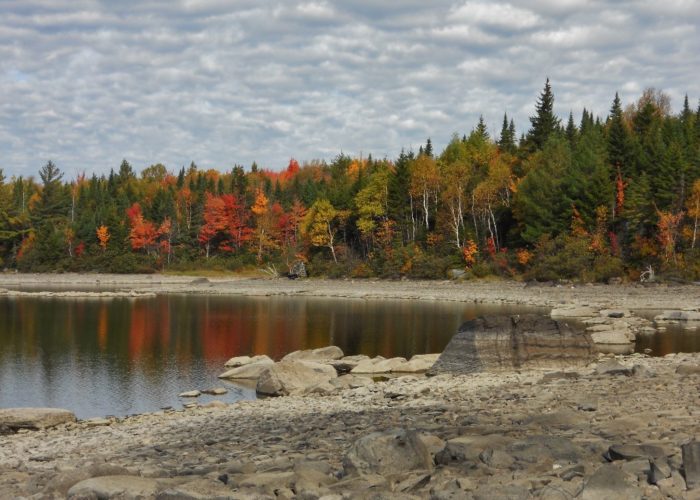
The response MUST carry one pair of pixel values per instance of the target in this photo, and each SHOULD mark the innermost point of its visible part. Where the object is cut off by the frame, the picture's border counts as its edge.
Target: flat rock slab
(250, 371)
(34, 418)
(117, 487)
(320, 354)
(499, 343)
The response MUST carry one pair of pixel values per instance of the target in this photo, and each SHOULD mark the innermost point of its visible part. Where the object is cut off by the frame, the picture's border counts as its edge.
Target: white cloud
(89, 82)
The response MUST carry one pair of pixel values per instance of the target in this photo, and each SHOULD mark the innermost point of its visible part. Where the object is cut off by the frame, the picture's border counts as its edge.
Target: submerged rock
(496, 343)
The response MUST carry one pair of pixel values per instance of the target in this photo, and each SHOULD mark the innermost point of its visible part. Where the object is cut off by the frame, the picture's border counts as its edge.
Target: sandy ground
(633, 296)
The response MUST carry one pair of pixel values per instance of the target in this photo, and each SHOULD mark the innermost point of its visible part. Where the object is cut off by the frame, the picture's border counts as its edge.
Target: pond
(124, 356)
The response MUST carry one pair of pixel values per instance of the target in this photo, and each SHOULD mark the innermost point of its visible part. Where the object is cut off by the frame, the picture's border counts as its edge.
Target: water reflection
(124, 355)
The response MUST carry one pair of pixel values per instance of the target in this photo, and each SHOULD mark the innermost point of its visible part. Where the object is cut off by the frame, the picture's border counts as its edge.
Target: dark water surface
(123, 356)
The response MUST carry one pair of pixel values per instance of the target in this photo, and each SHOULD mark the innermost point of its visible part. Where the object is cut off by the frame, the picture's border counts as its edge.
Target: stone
(98, 422)
(268, 481)
(538, 448)
(215, 391)
(678, 316)
(688, 369)
(497, 459)
(298, 270)
(614, 313)
(588, 405)
(250, 371)
(387, 453)
(634, 451)
(320, 354)
(612, 367)
(417, 364)
(199, 489)
(246, 360)
(504, 343)
(609, 483)
(614, 341)
(34, 418)
(468, 448)
(293, 377)
(116, 487)
(350, 382)
(378, 365)
(190, 394)
(691, 464)
(659, 470)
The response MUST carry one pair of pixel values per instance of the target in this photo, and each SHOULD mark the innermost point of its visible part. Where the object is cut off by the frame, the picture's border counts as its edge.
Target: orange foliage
(524, 256)
(103, 236)
(469, 251)
(260, 206)
(668, 233)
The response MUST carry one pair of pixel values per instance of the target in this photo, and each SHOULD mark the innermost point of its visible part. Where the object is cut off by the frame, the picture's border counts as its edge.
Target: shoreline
(627, 296)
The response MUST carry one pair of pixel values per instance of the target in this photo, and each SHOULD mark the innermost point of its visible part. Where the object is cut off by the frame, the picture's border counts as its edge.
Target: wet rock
(250, 371)
(34, 418)
(387, 453)
(691, 464)
(293, 377)
(497, 343)
(116, 487)
(320, 354)
(215, 391)
(190, 394)
(247, 360)
(609, 482)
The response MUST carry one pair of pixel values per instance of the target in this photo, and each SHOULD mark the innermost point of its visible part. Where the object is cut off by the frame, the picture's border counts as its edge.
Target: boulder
(246, 360)
(499, 343)
(320, 354)
(609, 482)
(691, 464)
(378, 365)
(678, 316)
(34, 418)
(293, 377)
(388, 453)
(418, 363)
(196, 489)
(117, 487)
(190, 394)
(612, 367)
(688, 369)
(251, 371)
(215, 391)
(614, 341)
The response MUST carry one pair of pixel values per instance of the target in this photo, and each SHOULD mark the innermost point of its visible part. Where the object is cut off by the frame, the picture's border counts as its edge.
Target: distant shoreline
(629, 296)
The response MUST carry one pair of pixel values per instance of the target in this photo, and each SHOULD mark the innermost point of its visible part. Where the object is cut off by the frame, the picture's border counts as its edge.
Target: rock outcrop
(34, 418)
(496, 343)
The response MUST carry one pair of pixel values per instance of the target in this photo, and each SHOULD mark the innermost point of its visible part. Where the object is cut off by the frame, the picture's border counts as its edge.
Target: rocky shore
(618, 428)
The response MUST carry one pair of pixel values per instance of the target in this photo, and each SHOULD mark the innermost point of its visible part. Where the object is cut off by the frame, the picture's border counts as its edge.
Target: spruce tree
(507, 140)
(428, 148)
(571, 131)
(481, 130)
(619, 146)
(544, 123)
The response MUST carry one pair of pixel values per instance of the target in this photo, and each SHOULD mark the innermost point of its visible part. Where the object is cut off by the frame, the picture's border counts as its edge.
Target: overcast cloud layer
(89, 82)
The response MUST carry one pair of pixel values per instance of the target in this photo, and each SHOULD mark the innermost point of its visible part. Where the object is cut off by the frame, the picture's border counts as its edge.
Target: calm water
(125, 356)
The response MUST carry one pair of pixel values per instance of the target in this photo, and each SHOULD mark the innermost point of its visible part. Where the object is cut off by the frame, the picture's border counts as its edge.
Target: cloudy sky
(89, 82)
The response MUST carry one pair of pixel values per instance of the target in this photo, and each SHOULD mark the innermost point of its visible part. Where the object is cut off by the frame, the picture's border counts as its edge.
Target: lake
(123, 356)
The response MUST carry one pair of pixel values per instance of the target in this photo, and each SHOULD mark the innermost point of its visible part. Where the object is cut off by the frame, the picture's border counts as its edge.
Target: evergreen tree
(507, 139)
(571, 131)
(545, 122)
(428, 148)
(481, 129)
(620, 151)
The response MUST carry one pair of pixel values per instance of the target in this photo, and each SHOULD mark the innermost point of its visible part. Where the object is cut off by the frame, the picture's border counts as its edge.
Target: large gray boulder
(246, 360)
(388, 453)
(496, 343)
(34, 418)
(293, 377)
(321, 354)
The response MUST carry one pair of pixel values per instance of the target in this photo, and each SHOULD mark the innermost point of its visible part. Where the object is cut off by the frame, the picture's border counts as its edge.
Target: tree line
(590, 200)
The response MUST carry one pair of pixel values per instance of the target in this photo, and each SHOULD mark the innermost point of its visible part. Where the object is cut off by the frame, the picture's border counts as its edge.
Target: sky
(87, 83)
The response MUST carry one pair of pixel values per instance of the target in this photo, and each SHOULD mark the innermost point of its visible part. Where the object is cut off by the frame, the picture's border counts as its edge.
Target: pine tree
(507, 139)
(619, 147)
(398, 200)
(571, 131)
(544, 123)
(481, 130)
(428, 148)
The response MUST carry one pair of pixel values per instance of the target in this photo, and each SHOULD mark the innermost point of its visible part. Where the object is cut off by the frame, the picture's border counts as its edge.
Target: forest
(588, 200)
